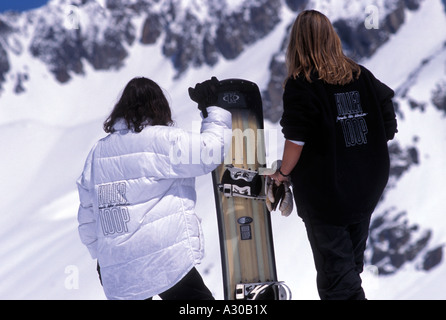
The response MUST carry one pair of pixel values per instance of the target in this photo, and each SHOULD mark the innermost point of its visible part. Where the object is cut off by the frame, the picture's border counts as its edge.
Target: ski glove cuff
(205, 94)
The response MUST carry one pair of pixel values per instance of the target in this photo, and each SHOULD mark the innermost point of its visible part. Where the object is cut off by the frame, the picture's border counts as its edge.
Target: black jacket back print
(344, 165)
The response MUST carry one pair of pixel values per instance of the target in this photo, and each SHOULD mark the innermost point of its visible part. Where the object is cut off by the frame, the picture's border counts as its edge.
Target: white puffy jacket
(137, 203)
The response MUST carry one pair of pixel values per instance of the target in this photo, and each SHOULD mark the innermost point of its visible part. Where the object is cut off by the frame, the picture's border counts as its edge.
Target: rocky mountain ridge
(101, 36)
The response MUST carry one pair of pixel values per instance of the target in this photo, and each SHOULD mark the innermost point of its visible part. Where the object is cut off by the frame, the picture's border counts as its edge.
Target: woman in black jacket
(337, 121)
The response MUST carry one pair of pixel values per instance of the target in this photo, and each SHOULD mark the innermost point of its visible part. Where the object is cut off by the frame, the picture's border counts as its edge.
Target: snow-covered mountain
(63, 66)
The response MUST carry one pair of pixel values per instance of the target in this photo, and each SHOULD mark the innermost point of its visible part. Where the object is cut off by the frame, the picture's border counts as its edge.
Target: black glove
(205, 94)
(279, 194)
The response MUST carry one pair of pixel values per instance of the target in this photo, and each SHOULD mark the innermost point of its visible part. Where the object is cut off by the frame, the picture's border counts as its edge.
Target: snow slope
(48, 131)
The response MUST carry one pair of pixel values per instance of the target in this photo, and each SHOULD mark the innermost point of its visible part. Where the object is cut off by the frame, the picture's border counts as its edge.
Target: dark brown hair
(315, 48)
(142, 103)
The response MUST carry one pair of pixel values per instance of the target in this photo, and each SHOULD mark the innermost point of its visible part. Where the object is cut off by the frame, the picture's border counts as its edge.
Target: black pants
(339, 258)
(191, 287)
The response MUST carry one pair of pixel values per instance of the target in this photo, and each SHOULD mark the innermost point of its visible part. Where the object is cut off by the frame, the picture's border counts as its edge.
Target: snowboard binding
(262, 291)
(238, 182)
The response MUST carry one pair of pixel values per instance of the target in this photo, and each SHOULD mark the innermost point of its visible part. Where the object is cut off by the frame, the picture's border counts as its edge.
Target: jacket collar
(121, 125)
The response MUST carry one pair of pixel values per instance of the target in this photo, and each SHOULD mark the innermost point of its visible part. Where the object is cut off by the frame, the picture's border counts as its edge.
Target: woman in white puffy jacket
(137, 195)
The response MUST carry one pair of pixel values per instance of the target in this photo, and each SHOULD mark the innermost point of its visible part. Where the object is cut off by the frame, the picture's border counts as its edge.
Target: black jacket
(344, 166)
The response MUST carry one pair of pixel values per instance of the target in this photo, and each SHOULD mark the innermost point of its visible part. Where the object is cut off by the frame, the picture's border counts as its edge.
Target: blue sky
(20, 5)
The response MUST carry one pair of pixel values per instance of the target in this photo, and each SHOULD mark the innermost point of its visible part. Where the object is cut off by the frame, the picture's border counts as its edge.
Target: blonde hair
(315, 46)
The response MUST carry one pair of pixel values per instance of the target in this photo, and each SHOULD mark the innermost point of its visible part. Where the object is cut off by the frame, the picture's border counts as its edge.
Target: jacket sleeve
(86, 216)
(299, 113)
(194, 154)
(385, 96)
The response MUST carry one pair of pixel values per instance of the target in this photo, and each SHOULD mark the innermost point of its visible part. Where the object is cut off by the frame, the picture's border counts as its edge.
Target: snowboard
(246, 241)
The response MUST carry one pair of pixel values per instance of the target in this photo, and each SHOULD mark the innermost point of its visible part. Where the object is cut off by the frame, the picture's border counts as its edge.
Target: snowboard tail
(246, 243)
